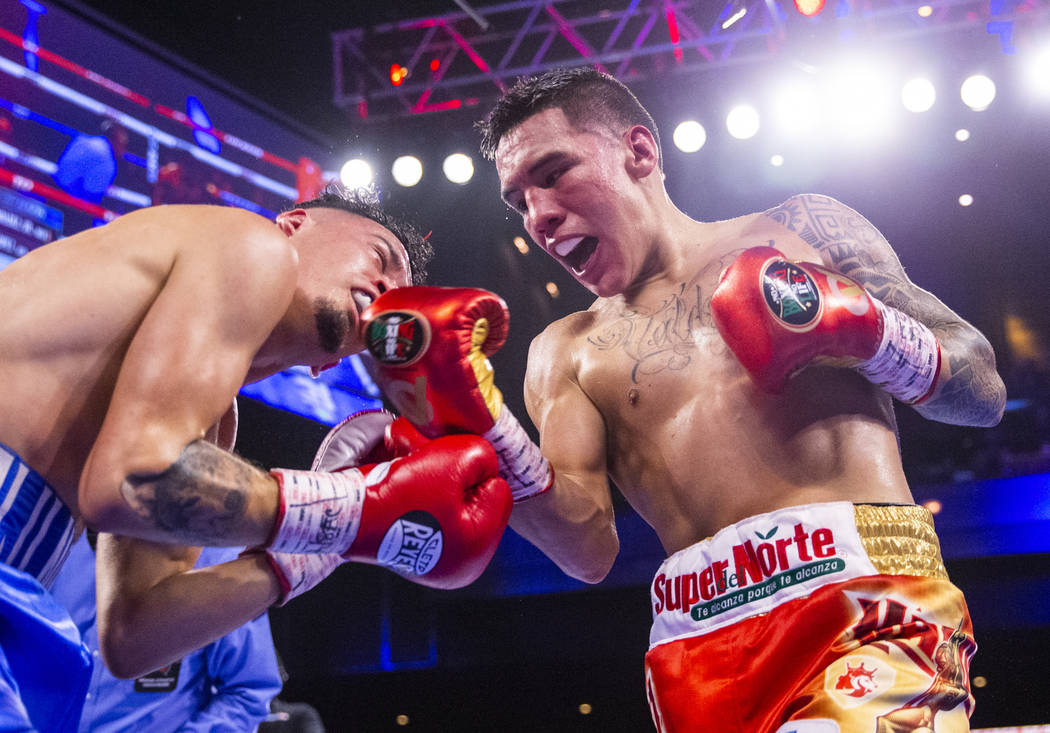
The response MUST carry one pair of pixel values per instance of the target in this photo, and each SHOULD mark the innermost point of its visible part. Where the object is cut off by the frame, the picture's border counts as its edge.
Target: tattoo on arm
(972, 393)
(200, 499)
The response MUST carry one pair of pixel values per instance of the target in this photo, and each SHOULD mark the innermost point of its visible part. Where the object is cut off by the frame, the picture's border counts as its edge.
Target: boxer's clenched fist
(430, 348)
(779, 316)
(434, 516)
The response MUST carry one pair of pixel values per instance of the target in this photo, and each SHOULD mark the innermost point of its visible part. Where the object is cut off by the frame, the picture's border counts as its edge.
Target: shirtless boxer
(123, 348)
(795, 551)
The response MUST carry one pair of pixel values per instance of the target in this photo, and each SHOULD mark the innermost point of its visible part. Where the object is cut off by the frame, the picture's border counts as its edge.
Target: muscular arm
(969, 390)
(149, 475)
(154, 608)
(572, 523)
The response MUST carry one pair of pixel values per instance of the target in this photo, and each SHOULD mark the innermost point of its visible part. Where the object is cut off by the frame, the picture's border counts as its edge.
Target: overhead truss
(469, 56)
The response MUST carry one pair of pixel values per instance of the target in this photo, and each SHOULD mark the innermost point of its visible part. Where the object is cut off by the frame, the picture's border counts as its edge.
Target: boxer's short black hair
(365, 202)
(584, 94)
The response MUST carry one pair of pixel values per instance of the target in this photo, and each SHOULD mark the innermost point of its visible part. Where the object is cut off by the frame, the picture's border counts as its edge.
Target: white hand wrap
(317, 512)
(521, 464)
(908, 359)
(299, 573)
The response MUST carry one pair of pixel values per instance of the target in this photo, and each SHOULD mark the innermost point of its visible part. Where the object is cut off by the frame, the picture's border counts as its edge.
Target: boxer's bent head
(585, 95)
(365, 202)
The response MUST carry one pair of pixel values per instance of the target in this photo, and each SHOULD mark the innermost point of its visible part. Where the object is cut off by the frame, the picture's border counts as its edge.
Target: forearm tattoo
(972, 393)
(200, 499)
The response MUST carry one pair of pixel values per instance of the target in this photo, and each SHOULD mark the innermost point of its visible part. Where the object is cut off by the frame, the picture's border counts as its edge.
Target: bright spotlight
(796, 109)
(689, 136)
(977, 92)
(407, 170)
(918, 95)
(458, 168)
(1039, 72)
(776, 160)
(742, 121)
(962, 134)
(861, 103)
(965, 200)
(925, 11)
(356, 173)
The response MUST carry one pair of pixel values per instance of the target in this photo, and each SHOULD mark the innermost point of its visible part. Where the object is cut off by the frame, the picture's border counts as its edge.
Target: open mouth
(575, 256)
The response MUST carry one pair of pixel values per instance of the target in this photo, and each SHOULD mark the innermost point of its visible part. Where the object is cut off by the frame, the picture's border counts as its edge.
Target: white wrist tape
(908, 359)
(317, 512)
(521, 464)
(297, 574)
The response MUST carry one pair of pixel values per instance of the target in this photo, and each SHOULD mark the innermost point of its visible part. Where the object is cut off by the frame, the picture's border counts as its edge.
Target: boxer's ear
(643, 155)
(290, 221)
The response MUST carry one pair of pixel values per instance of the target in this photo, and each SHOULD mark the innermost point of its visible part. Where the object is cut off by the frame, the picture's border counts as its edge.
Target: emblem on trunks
(855, 679)
(397, 338)
(791, 294)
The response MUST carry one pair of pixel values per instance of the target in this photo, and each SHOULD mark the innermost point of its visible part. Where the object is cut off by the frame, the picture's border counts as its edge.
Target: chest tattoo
(662, 339)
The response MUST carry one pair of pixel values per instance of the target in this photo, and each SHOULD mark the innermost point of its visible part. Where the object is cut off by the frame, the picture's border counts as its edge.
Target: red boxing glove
(429, 347)
(434, 517)
(778, 316)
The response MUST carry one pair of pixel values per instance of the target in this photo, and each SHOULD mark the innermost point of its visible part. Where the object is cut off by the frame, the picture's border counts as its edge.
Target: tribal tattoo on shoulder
(848, 241)
(200, 498)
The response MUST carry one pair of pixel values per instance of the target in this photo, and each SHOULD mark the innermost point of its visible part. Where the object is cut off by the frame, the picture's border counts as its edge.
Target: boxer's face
(345, 262)
(577, 197)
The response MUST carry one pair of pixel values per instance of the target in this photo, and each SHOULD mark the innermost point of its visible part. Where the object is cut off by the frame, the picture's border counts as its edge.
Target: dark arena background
(109, 106)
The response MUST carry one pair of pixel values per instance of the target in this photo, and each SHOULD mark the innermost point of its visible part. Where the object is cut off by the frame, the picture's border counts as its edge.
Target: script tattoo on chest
(662, 339)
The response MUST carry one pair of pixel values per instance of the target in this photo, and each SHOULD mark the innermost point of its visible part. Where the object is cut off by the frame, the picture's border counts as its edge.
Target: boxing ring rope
(150, 132)
(143, 101)
(21, 183)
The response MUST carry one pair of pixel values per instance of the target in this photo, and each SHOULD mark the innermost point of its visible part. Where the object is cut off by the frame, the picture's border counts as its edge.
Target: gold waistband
(900, 539)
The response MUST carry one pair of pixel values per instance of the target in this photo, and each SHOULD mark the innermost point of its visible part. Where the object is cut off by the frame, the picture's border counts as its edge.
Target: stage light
(407, 170)
(397, 74)
(965, 200)
(925, 11)
(962, 134)
(809, 8)
(733, 11)
(742, 121)
(402, 720)
(585, 708)
(356, 173)
(796, 109)
(977, 92)
(980, 681)
(861, 101)
(435, 64)
(458, 168)
(689, 136)
(521, 245)
(918, 95)
(776, 160)
(934, 505)
(1038, 71)
(552, 289)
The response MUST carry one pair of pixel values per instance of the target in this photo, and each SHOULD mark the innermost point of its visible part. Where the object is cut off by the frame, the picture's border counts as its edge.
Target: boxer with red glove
(433, 515)
(779, 316)
(430, 347)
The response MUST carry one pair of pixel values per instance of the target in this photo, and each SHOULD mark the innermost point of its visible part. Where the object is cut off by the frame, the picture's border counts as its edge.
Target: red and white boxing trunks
(825, 618)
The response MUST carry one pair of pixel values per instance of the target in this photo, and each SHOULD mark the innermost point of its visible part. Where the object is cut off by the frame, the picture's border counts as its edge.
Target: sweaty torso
(692, 444)
(70, 310)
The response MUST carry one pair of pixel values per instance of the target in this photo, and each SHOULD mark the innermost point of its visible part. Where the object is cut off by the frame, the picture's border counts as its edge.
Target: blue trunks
(44, 667)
